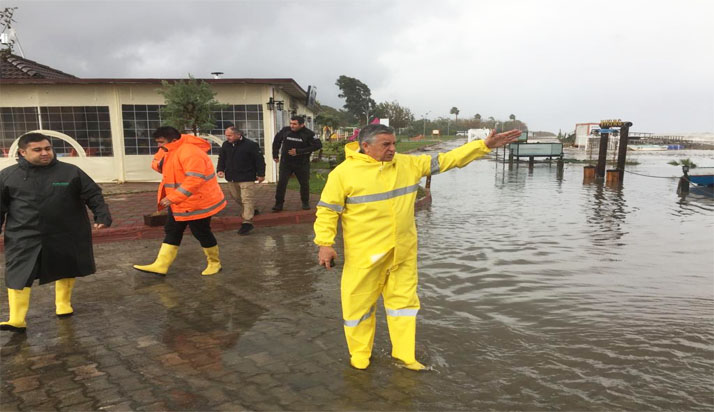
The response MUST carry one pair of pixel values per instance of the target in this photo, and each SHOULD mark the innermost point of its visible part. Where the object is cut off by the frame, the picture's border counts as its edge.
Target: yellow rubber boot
(63, 297)
(163, 261)
(19, 304)
(402, 332)
(214, 263)
(360, 340)
(415, 366)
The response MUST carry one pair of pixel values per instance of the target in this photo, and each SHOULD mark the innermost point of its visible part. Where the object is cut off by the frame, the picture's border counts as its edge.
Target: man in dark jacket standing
(43, 203)
(297, 143)
(241, 162)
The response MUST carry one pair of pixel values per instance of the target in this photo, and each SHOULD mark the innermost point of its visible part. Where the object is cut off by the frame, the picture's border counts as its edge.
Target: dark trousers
(301, 169)
(200, 228)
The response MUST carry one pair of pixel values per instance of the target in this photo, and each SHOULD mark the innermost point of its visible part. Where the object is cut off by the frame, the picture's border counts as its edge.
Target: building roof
(16, 67)
(19, 70)
(289, 86)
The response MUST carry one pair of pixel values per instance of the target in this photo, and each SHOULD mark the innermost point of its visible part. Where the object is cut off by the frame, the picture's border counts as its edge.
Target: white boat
(646, 147)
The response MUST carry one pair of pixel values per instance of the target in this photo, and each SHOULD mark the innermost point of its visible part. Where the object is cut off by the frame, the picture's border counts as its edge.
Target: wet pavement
(263, 334)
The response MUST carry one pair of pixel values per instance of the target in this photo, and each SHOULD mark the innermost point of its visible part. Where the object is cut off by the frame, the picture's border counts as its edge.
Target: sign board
(536, 149)
(435, 132)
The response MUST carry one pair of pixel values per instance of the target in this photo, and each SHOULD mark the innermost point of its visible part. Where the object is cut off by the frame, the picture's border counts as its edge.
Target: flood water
(540, 292)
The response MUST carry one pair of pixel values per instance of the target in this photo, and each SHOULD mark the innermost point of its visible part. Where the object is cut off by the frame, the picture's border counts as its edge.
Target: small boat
(702, 176)
(646, 147)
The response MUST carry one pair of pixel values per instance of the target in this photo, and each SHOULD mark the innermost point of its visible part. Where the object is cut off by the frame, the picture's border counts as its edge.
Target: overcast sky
(551, 63)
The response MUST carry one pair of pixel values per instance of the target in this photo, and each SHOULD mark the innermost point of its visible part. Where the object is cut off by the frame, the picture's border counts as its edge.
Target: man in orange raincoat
(190, 191)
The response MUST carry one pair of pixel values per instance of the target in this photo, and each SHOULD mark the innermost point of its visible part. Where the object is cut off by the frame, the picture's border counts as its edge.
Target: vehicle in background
(478, 134)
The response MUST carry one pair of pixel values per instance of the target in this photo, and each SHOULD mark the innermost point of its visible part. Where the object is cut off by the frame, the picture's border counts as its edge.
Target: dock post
(622, 153)
(614, 177)
(602, 156)
(588, 174)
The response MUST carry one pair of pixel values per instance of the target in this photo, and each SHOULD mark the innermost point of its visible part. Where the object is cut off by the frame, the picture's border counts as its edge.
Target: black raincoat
(43, 208)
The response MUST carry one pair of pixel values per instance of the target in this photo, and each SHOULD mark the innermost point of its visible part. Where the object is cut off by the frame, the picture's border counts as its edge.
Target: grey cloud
(552, 63)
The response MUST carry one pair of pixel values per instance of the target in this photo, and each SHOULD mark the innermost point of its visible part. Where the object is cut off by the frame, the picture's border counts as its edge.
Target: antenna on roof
(8, 36)
(216, 75)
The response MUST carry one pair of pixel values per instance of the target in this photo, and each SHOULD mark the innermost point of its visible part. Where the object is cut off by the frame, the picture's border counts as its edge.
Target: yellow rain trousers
(375, 202)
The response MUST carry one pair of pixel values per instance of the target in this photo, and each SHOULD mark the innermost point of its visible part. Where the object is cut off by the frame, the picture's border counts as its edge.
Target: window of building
(88, 125)
(14, 122)
(140, 121)
(248, 118)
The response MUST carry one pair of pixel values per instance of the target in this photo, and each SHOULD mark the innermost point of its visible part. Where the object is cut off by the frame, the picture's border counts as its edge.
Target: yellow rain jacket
(376, 201)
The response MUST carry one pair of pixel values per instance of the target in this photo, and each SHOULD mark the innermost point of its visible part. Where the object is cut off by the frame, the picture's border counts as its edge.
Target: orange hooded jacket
(189, 179)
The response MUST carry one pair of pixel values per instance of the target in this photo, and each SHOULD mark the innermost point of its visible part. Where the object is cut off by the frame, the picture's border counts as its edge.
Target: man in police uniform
(297, 142)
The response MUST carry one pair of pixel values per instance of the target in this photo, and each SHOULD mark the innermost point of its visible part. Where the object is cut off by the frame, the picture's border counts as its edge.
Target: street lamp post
(423, 133)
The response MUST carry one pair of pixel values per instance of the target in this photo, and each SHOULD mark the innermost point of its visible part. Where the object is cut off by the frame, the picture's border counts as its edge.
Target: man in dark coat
(297, 143)
(241, 162)
(43, 203)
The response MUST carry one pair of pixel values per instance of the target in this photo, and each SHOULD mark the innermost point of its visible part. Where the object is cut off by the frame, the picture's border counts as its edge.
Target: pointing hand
(501, 139)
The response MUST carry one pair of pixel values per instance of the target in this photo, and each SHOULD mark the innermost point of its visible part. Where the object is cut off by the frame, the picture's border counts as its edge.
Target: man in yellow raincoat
(373, 192)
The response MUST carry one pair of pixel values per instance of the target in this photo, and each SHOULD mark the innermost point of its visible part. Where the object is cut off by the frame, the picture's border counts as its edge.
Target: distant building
(583, 131)
(105, 125)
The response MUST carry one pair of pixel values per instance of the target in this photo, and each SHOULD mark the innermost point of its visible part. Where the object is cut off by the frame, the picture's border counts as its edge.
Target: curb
(218, 224)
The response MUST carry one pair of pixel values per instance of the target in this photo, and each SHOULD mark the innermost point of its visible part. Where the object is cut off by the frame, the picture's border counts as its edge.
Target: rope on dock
(660, 177)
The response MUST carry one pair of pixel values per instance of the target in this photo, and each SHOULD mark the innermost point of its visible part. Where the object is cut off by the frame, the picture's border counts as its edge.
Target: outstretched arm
(501, 139)
(463, 155)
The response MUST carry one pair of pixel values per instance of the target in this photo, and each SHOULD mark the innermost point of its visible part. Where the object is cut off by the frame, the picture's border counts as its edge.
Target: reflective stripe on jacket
(376, 201)
(188, 179)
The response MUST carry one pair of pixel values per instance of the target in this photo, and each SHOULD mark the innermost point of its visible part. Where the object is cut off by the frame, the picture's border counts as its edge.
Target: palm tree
(455, 111)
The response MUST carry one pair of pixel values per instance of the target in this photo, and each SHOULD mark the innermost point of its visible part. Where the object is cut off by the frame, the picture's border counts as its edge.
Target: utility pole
(423, 133)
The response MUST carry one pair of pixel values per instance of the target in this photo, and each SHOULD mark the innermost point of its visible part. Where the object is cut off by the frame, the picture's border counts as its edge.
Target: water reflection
(605, 214)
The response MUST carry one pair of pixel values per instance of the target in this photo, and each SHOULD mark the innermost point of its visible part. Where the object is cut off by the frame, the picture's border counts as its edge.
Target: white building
(105, 125)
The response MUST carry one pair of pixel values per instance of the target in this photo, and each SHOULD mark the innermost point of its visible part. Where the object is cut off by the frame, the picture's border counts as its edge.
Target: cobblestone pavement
(263, 334)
